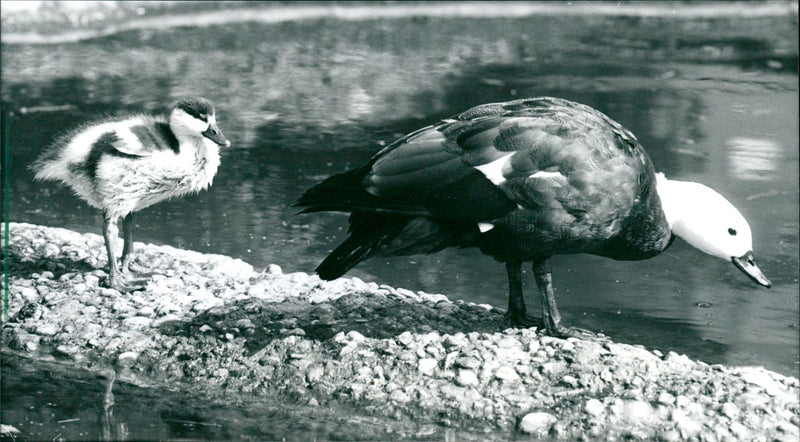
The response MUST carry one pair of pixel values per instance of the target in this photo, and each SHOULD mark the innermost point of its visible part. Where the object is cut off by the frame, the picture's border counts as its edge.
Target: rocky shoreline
(214, 320)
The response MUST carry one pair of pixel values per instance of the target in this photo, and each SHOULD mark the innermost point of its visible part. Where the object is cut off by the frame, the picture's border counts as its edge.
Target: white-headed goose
(124, 164)
(523, 181)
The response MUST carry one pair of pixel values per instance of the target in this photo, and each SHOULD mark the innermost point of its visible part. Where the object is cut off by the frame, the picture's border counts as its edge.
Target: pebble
(47, 329)
(427, 366)
(594, 407)
(314, 374)
(466, 378)
(506, 373)
(137, 322)
(665, 398)
(29, 294)
(127, 358)
(538, 423)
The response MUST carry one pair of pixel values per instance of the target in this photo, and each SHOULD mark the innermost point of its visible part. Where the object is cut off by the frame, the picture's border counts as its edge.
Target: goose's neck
(669, 193)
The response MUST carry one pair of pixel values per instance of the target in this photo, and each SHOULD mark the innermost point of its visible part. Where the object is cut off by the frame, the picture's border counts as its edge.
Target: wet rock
(538, 423)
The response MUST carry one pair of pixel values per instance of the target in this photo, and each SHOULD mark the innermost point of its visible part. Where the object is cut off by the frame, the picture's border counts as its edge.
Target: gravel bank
(215, 321)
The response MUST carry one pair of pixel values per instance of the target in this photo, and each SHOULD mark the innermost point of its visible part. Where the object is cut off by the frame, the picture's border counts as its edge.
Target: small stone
(205, 328)
(29, 294)
(638, 411)
(508, 342)
(665, 398)
(274, 269)
(67, 350)
(427, 366)
(355, 336)
(740, 431)
(405, 339)
(456, 340)
(220, 373)
(468, 362)
(670, 436)
(570, 380)
(730, 410)
(137, 322)
(594, 407)
(538, 423)
(47, 329)
(466, 378)
(314, 374)
(688, 427)
(506, 373)
(399, 396)
(127, 358)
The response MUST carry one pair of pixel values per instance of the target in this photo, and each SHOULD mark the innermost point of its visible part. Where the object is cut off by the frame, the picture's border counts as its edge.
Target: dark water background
(712, 99)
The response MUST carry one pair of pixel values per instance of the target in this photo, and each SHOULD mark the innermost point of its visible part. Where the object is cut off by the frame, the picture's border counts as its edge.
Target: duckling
(124, 164)
(523, 181)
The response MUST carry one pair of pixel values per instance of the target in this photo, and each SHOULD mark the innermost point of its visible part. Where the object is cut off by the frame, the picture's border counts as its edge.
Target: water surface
(712, 99)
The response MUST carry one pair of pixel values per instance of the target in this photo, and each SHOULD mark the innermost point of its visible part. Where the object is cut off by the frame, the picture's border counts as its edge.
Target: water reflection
(752, 159)
(303, 100)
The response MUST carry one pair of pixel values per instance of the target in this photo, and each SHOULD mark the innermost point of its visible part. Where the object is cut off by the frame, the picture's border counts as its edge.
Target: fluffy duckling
(523, 181)
(122, 165)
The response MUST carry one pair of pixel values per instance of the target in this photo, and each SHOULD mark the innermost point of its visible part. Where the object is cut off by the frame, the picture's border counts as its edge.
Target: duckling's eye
(732, 231)
(204, 117)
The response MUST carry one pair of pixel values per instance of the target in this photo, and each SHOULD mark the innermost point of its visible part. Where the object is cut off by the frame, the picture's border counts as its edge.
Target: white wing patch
(485, 227)
(548, 175)
(494, 170)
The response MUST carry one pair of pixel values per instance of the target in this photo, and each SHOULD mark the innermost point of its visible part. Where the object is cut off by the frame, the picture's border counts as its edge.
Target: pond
(713, 98)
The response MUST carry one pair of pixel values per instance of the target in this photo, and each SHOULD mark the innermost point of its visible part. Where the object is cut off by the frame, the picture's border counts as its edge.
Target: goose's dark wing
(539, 154)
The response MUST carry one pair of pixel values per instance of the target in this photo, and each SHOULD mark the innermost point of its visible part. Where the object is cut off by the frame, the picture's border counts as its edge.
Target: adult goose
(523, 181)
(122, 165)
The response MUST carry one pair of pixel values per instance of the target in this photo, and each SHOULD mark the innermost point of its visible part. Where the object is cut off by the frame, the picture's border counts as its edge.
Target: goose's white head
(194, 117)
(706, 220)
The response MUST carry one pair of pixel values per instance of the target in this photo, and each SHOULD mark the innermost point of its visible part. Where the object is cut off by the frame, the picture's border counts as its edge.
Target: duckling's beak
(214, 134)
(747, 264)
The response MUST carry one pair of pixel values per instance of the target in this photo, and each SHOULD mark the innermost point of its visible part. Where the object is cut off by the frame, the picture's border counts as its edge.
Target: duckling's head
(194, 117)
(706, 220)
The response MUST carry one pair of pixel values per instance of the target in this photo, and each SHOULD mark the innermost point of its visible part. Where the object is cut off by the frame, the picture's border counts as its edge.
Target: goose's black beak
(747, 264)
(214, 134)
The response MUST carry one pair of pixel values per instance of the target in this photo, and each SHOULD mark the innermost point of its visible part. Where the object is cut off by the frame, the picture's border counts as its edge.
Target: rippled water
(712, 99)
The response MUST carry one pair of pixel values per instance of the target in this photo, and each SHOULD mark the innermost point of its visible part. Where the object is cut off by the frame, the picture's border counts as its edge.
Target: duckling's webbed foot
(125, 282)
(133, 270)
(118, 280)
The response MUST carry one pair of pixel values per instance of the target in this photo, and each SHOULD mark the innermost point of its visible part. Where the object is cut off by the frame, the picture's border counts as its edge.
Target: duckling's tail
(48, 167)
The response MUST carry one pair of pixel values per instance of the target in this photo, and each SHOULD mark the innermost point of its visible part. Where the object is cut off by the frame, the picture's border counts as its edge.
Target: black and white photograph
(391, 220)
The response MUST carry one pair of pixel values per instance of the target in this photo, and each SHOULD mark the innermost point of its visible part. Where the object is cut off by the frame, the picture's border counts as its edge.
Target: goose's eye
(732, 231)
(204, 117)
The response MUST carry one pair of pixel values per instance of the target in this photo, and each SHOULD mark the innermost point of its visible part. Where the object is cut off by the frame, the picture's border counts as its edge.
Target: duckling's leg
(516, 303)
(550, 314)
(116, 279)
(127, 250)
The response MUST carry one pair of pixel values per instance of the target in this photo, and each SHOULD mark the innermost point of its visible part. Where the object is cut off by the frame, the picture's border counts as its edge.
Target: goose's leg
(127, 250)
(116, 278)
(516, 303)
(550, 314)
